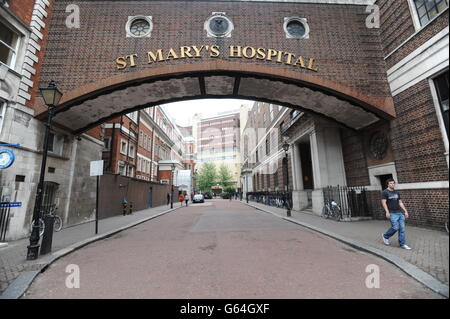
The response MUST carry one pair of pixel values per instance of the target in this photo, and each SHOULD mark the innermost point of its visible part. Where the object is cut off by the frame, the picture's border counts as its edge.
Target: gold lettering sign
(214, 51)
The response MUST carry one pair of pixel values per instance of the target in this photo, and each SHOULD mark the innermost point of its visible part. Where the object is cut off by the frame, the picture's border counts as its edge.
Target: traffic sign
(10, 204)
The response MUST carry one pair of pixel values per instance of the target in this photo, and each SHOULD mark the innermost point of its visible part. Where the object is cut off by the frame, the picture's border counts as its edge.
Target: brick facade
(357, 60)
(416, 138)
(22, 9)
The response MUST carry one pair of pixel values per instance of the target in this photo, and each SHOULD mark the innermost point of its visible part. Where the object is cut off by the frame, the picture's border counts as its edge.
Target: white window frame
(58, 144)
(133, 116)
(132, 151)
(124, 152)
(415, 16)
(119, 165)
(3, 107)
(107, 141)
(141, 137)
(210, 33)
(439, 115)
(302, 21)
(130, 21)
(12, 63)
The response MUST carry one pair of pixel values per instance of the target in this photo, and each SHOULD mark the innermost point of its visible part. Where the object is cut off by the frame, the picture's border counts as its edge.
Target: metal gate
(352, 200)
(49, 197)
(5, 197)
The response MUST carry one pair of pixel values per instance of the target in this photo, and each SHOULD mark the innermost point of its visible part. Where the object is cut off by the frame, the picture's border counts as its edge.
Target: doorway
(307, 168)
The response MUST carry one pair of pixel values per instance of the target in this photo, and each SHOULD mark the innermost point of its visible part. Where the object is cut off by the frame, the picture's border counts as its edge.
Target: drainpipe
(152, 156)
(111, 148)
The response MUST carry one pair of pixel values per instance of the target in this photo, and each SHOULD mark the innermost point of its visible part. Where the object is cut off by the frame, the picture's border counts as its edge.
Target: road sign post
(96, 170)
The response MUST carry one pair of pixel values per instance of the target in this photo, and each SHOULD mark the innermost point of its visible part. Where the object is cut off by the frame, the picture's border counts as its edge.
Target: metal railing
(278, 199)
(4, 221)
(352, 200)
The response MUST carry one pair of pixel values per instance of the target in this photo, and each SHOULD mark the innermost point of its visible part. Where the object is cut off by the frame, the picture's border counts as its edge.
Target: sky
(182, 112)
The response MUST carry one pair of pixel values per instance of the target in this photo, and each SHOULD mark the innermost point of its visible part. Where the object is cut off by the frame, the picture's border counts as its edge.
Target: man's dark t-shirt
(392, 200)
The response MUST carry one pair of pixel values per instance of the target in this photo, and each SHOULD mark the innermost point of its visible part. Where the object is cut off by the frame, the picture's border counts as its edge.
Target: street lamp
(286, 174)
(171, 197)
(51, 96)
(194, 181)
(246, 182)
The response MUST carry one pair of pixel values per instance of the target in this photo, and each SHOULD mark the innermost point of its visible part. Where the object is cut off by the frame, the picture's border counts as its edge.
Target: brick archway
(95, 103)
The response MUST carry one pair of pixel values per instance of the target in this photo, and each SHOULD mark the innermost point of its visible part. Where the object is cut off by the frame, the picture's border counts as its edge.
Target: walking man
(393, 206)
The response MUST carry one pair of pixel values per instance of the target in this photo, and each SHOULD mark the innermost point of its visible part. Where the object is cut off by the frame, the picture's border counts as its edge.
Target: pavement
(429, 247)
(223, 250)
(429, 253)
(13, 261)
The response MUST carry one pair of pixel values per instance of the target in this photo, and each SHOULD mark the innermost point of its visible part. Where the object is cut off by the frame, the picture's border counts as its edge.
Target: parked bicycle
(332, 210)
(57, 224)
(446, 225)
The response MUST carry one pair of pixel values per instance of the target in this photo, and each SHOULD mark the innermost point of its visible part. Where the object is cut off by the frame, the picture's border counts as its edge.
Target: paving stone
(429, 247)
(13, 257)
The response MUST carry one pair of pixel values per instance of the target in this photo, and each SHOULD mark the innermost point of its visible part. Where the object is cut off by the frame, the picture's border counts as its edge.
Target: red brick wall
(113, 189)
(36, 78)
(416, 138)
(397, 26)
(396, 23)
(96, 132)
(355, 161)
(355, 60)
(23, 9)
(426, 207)
(165, 175)
(115, 144)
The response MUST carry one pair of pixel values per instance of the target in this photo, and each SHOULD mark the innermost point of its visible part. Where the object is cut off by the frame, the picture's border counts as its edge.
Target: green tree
(207, 177)
(225, 178)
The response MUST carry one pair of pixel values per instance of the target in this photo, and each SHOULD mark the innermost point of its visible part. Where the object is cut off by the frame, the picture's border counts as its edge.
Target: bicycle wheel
(336, 213)
(57, 224)
(326, 212)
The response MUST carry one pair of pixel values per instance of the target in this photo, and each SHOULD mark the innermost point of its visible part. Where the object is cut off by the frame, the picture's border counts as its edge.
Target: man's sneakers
(386, 241)
(406, 247)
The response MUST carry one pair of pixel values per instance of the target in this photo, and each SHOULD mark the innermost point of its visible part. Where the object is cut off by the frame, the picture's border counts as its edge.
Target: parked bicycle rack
(277, 199)
(352, 200)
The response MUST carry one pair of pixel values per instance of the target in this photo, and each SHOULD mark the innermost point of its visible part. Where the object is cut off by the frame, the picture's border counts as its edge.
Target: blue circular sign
(6, 158)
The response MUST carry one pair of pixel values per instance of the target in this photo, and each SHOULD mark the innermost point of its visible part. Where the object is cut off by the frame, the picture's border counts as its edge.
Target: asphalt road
(222, 249)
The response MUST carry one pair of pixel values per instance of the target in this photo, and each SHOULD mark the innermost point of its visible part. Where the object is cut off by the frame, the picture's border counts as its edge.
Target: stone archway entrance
(88, 106)
(92, 104)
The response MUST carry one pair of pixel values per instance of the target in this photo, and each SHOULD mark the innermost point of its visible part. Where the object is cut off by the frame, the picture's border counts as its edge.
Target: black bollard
(130, 211)
(47, 238)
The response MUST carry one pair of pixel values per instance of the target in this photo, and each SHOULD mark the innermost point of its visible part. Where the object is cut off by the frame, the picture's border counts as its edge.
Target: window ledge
(10, 70)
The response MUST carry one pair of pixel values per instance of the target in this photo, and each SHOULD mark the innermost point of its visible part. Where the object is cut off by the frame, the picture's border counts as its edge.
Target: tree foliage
(207, 177)
(225, 177)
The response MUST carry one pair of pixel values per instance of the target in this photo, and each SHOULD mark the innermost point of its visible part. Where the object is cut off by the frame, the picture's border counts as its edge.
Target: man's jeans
(398, 224)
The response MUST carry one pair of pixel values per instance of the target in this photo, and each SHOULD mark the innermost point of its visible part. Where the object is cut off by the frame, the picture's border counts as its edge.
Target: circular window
(219, 26)
(378, 145)
(296, 28)
(139, 26)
